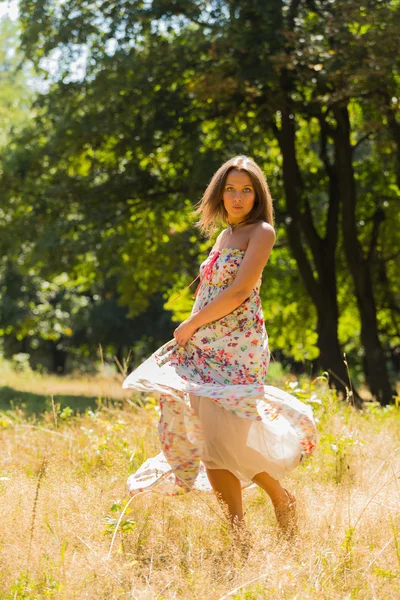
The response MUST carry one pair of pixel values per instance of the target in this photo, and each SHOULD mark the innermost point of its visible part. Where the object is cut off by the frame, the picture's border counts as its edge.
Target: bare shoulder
(217, 242)
(220, 235)
(262, 233)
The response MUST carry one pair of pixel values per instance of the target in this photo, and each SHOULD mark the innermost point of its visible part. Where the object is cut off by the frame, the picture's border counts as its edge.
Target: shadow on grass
(31, 403)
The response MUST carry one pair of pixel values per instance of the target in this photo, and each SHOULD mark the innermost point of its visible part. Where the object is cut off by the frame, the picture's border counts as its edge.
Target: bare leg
(284, 502)
(272, 486)
(228, 491)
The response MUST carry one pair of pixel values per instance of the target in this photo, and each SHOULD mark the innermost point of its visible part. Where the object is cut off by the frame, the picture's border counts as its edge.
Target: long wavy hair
(211, 206)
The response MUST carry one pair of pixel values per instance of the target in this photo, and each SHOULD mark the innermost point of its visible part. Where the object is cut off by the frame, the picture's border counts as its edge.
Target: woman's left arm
(253, 263)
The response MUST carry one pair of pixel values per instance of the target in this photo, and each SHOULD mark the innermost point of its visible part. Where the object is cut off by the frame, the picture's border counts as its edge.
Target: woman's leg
(284, 502)
(228, 490)
(272, 486)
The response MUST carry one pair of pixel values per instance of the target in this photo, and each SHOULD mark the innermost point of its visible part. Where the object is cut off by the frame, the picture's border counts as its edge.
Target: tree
(171, 90)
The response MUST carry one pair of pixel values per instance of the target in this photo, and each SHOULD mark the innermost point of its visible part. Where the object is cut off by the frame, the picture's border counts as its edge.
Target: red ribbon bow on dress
(207, 272)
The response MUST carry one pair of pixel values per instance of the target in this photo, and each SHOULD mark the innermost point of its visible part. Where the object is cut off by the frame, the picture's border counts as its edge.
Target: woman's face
(238, 196)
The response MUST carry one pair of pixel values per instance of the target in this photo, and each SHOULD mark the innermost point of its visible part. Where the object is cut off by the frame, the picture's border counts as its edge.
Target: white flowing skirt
(245, 429)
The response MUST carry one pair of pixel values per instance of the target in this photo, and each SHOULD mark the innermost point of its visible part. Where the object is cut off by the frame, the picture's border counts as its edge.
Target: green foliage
(125, 525)
(105, 441)
(348, 545)
(30, 403)
(25, 587)
(67, 317)
(15, 94)
(104, 178)
(285, 301)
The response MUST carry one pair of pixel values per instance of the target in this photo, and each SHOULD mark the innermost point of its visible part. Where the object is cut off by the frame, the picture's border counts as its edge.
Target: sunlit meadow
(68, 446)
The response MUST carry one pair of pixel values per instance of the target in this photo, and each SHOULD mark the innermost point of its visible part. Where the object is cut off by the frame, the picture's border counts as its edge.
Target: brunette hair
(211, 207)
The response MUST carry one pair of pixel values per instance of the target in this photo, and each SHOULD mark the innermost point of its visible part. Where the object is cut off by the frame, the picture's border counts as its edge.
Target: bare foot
(286, 516)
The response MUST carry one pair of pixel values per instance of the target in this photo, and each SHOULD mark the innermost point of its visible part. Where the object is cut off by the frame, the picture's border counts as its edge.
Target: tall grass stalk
(53, 406)
(351, 392)
(42, 471)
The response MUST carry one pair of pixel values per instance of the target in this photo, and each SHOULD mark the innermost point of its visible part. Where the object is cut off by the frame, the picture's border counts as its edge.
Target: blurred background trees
(140, 103)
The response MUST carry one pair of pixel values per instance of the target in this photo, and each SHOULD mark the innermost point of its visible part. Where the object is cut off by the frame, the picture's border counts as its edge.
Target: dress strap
(184, 290)
(206, 275)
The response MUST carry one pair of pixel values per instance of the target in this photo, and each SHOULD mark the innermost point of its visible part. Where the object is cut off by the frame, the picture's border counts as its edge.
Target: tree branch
(378, 218)
(292, 12)
(333, 209)
(362, 139)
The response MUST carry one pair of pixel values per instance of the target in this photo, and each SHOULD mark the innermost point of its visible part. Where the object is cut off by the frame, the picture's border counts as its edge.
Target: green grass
(32, 403)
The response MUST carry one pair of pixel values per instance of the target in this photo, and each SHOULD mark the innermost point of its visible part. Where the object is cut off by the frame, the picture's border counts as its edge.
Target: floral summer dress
(215, 410)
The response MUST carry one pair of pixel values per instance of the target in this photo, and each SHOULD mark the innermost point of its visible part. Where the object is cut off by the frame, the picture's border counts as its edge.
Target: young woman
(216, 410)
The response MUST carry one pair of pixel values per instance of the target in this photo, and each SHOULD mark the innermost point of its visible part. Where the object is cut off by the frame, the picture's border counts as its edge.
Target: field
(68, 446)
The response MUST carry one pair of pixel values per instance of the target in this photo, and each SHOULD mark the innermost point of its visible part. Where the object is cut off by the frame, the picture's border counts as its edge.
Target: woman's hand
(184, 332)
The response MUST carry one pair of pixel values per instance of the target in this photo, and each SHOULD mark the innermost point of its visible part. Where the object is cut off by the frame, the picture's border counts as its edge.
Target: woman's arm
(253, 263)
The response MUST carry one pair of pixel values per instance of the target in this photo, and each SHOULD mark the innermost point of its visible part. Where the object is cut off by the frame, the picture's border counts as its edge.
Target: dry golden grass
(62, 490)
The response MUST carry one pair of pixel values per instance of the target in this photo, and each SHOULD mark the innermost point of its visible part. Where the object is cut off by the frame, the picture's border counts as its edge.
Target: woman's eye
(247, 190)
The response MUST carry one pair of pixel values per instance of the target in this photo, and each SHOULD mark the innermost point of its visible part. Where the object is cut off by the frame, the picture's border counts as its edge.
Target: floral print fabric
(225, 362)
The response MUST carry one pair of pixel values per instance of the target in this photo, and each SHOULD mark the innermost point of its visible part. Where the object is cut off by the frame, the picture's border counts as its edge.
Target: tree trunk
(58, 358)
(359, 265)
(321, 288)
(394, 128)
(331, 355)
(319, 276)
